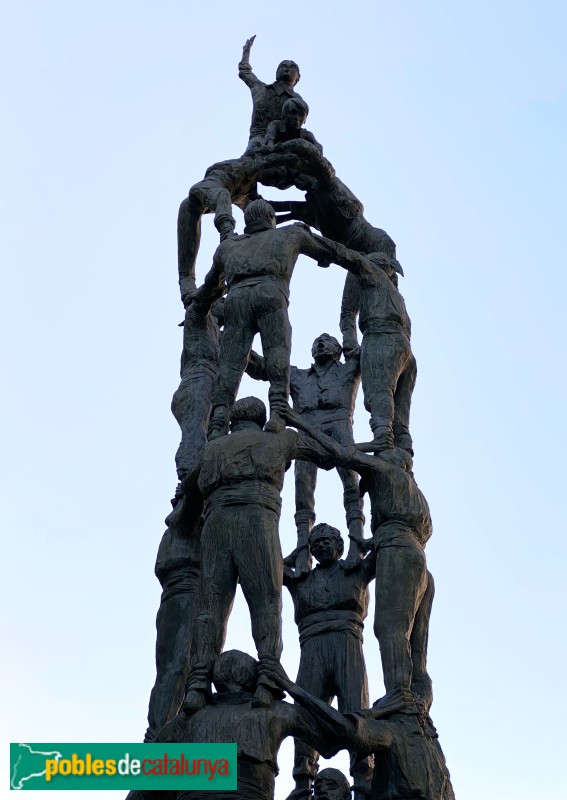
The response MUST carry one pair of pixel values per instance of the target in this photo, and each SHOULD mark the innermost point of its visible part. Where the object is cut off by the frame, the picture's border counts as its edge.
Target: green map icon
(28, 766)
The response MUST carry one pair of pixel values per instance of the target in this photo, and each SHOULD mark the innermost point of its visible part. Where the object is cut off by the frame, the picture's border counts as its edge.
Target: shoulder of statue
(300, 228)
(301, 372)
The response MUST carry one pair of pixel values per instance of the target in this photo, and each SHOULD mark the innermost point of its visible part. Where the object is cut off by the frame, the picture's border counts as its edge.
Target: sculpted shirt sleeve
(370, 734)
(214, 284)
(305, 448)
(308, 136)
(368, 566)
(352, 365)
(350, 308)
(303, 211)
(272, 133)
(245, 73)
(325, 251)
(326, 734)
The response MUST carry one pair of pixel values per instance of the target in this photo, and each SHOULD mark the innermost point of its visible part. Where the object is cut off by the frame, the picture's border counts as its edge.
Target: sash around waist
(384, 326)
(326, 416)
(255, 280)
(245, 493)
(330, 621)
(395, 533)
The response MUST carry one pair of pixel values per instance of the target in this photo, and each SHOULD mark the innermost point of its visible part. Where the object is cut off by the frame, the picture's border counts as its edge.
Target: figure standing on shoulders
(225, 183)
(401, 526)
(330, 606)
(267, 98)
(387, 362)
(324, 395)
(289, 127)
(257, 268)
(240, 477)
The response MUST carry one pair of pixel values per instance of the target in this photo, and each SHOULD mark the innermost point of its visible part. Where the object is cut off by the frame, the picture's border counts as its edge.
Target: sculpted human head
(258, 216)
(326, 543)
(326, 347)
(287, 72)
(294, 113)
(235, 671)
(248, 409)
(331, 784)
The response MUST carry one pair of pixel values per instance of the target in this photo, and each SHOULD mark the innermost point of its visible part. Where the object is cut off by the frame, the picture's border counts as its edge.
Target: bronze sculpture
(224, 524)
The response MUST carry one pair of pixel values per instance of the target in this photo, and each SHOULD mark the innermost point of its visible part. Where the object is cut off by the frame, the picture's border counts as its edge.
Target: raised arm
(244, 69)
(362, 733)
(256, 367)
(368, 566)
(272, 133)
(350, 308)
(330, 450)
(214, 285)
(297, 210)
(322, 726)
(316, 446)
(326, 251)
(334, 730)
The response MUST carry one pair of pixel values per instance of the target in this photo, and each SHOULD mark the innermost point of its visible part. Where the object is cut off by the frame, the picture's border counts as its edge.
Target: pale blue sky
(448, 121)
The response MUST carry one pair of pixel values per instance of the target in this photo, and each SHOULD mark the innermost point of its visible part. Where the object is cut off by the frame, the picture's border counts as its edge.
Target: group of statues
(231, 462)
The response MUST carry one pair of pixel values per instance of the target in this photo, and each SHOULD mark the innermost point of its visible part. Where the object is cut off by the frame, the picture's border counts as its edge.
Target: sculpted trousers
(404, 595)
(389, 371)
(252, 309)
(306, 478)
(332, 665)
(207, 195)
(174, 625)
(237, 543)
(191, 407)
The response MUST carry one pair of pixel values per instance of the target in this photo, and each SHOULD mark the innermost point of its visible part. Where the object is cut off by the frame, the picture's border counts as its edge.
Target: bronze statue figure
(267, 98)
(240, 477)
(257, 269)
(324, 394)
(387, 363)
(232, 716)
(330, 606)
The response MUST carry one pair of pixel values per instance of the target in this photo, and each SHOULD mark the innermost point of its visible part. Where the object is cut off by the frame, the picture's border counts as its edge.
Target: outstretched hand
(290, 416)
(357, 549)
(351, 348)
(248, 45)
(188, 297)
(303, 561)
(352, 352)
(390, 703)
(293, 559)
(272, 669)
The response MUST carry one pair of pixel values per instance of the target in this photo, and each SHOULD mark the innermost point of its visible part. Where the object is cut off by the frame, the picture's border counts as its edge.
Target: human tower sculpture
(231, 463)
